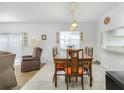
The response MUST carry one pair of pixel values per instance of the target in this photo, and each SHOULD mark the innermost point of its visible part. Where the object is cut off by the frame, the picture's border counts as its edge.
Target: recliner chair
(31, 62)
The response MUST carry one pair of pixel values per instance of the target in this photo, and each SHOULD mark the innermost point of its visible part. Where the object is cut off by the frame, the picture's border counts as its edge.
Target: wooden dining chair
(73, 67)
(88, 51)
(59, 66)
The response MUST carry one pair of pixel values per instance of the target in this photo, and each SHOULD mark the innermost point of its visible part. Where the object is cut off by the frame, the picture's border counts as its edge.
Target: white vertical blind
(69, 39)
(4, 42)
(12, 42)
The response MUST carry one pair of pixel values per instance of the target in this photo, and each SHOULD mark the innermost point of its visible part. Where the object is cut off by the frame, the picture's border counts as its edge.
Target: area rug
(22, 78)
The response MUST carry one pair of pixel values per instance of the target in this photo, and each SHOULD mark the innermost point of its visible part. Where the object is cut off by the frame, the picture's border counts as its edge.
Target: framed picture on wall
(81, 36)
(25, 39)
(43, 37)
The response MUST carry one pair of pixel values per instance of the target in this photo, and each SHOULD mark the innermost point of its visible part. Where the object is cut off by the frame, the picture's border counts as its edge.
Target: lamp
(34, 43)
(74, 24)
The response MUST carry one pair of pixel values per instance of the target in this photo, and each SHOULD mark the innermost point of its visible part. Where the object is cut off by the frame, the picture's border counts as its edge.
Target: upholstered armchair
(31, 62)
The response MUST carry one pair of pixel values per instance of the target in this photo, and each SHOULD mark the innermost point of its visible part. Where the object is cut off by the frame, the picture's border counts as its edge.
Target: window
(69, 39)
(12, 42)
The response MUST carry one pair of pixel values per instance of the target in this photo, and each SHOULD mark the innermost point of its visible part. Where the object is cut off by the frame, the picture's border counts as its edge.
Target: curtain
(12, 42)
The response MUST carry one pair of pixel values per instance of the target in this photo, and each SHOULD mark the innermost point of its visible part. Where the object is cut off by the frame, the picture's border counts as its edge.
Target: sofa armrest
(26, 56)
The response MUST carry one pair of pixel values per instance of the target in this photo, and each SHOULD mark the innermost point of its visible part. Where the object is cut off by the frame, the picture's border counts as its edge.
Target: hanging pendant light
(74, 24)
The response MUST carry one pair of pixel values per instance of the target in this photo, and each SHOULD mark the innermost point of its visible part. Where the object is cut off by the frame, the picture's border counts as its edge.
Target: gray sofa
(7, 75)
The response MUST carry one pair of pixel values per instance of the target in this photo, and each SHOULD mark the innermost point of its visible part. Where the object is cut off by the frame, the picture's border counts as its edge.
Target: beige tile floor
(43, 80)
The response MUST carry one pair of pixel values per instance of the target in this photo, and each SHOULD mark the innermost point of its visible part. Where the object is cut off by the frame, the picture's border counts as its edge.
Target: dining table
(61, 57)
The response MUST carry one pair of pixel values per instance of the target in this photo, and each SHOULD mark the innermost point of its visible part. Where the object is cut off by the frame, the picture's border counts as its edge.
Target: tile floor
(23, 77)
(43, 80)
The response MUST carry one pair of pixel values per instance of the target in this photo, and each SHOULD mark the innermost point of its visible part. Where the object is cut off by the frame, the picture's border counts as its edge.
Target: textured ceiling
(52, 12)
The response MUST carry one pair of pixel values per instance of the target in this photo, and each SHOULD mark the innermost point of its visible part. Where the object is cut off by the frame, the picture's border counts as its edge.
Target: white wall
(111, 60)
(35, 30)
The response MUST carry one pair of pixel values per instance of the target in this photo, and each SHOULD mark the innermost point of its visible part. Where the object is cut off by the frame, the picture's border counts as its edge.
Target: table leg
(91, 79)
(55, 78)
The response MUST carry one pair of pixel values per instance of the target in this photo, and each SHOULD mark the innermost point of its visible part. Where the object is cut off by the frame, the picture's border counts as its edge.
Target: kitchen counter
(115, 80)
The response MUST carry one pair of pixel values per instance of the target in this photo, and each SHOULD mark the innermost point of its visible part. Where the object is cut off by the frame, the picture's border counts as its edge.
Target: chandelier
(74, 24)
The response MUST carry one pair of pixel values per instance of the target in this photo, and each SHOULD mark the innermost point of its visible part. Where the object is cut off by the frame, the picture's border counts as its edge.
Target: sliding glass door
(12, 42)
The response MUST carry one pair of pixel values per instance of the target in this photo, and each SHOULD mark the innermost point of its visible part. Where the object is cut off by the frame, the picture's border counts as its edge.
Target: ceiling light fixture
(74, 24)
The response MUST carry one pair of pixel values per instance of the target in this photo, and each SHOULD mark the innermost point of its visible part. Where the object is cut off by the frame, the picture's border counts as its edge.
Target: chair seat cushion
(80, 70)
(60, 65)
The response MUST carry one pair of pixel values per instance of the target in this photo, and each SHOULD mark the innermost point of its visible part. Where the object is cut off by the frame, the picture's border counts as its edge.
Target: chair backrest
(89, 51)
(73, 59)
(37, 52)
(70, 47)
(54, 51)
